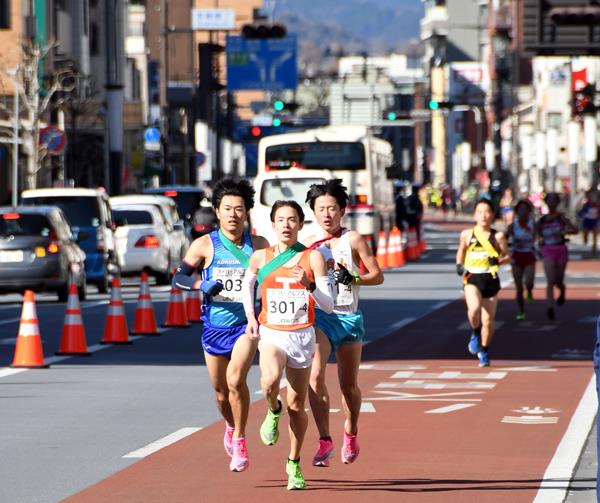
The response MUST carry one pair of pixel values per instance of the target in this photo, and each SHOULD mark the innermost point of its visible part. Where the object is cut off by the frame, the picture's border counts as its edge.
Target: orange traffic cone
(73, 341)
(193, 307)
(176, 313)
(145, 320)
(422, 243)
(393, 248)
(29, 352)
(411, 244)
(381, 256)
(401, 259)
(115, 330)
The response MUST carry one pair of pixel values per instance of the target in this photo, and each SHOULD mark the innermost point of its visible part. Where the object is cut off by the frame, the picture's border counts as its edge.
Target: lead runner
(343, 330)
(292, 280)
(224, 255)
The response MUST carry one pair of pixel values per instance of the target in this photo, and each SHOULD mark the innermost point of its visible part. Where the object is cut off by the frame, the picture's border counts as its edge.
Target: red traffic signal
(255, 131)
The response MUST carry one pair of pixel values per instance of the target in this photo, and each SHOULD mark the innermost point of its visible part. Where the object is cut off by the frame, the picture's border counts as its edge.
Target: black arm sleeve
(183, 277)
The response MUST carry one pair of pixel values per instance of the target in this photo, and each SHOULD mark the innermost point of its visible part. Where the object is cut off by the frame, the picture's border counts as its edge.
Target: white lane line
(161, 443)
(402, 323)
(450, 408)
(554, 486)
(367, 407)
(6, 371)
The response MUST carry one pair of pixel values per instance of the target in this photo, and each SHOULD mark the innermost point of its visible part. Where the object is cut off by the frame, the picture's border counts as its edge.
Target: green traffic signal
(392, 116)
(434, 104)
(278, 105)
(276, 122)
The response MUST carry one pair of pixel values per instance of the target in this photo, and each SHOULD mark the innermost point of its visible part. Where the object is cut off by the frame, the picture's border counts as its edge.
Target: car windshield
(286, 188)
(18, 224)
(132, 217)
(80, 211)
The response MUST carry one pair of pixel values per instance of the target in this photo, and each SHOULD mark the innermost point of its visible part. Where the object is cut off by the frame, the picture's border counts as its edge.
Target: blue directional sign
(268, 64)
(151, 135)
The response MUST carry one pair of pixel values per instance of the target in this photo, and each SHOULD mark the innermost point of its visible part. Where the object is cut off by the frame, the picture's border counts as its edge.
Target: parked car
(177, 241)
(38, 251)
(189, 200)
(88, 211)
(142, 239)
(204, 220)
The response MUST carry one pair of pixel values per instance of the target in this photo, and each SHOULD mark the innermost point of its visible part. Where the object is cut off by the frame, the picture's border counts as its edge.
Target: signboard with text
(268, 64)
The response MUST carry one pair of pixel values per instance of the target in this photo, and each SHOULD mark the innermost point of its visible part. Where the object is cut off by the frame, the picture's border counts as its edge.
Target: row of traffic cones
(392, 252)
(29, 352)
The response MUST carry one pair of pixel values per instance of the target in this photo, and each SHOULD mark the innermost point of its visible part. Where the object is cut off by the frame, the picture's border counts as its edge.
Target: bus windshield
(286, 188)
(333, 155)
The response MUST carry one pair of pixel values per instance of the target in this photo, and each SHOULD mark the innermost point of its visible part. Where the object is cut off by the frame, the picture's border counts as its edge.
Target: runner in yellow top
(480, 253)
(292, 280)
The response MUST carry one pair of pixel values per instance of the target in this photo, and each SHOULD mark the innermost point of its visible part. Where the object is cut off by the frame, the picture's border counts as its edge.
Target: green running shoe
(269, 429)
(520, 316)
(295, 477)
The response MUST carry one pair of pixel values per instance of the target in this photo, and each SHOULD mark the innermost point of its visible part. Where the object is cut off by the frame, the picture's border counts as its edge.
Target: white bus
(289, 163)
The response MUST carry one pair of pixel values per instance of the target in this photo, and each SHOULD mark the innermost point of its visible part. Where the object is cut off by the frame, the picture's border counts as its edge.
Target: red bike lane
(435, 427)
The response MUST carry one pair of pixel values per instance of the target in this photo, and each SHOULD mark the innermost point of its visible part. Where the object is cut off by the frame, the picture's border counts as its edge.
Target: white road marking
(367, 407)
(431, 397)
(161, 443)
(390, 366)
(524, 368)
(402, 323)
(6, 371)
(562, 465)
(448, 375)
(423, 384)
(530, 420)
(450, 408)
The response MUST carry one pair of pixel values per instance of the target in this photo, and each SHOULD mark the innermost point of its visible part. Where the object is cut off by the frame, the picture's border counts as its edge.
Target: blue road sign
(269, 64)
(151, 135)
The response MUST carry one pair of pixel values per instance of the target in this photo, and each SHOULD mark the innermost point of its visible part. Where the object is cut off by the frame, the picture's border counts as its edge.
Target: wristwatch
(311, 287)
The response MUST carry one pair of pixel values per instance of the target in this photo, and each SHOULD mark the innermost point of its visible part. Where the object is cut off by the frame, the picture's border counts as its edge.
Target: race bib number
(287, 307)
(231, 279)
(344, 296)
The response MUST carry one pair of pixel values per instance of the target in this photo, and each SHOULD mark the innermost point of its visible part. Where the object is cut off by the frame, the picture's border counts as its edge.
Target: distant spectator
(589, 215)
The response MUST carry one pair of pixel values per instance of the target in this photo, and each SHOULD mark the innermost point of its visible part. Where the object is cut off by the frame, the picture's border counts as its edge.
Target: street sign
(54, 139)
(151, 135)
(420, 114)
(268, 64)
(200, 159)
(262, 120)
(213, 19)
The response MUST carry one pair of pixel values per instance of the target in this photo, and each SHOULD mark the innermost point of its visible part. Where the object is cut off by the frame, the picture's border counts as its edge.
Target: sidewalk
(582, 489)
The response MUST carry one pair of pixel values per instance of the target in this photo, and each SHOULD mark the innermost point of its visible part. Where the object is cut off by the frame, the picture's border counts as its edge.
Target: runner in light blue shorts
(341, 328)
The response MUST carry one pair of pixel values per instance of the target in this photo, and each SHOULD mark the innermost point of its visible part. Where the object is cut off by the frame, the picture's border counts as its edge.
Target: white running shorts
(298, 345)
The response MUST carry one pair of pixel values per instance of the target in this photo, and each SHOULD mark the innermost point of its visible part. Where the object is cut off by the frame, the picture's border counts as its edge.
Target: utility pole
(115, 62)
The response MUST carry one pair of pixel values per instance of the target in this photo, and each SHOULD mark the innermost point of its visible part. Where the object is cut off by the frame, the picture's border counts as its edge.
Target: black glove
(460, 269)
(343, 275)
(210, 287)
(493, 261)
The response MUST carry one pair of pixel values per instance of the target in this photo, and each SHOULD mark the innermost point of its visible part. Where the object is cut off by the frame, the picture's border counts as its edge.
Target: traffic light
(276, 122)
(264, 30)
(281, 106)
(438, 105)
(583, 100)
(392, 114)
(577, 15)
(255, 131)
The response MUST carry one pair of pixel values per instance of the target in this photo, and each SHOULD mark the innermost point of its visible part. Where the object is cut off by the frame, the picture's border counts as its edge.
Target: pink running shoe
(239, 460)
(324, 453)
(350, 449)
(227, 439)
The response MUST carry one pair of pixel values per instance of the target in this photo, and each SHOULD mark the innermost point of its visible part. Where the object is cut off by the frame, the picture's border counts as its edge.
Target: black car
(193, 204)
(38, 251)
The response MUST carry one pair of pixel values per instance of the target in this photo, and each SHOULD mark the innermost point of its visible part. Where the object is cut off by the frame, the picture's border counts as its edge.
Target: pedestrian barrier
(145, 320)
(176, 312)
(72, 341)
(382, 252)
(193, 307)
(115, 330)
(28, 351)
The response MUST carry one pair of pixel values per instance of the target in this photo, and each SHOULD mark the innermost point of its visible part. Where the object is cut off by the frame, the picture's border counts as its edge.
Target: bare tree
(36, 97)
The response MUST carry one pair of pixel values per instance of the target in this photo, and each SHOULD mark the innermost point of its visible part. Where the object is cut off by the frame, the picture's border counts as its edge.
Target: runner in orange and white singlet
(292, 281)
